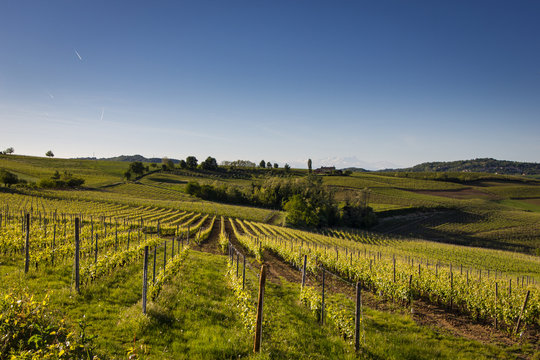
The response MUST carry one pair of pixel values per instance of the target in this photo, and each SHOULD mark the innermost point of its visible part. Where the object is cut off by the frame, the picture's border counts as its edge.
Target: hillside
(421, 299)
(486, 165)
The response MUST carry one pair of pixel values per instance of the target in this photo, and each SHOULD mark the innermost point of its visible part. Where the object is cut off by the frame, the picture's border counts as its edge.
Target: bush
(66, 180)
(8, 178)
(29, 332)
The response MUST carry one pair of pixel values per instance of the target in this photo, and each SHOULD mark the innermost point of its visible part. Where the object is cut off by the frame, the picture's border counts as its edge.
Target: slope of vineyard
(198, 306)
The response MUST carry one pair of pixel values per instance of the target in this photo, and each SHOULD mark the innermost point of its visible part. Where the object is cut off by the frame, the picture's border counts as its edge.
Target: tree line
(307, 202)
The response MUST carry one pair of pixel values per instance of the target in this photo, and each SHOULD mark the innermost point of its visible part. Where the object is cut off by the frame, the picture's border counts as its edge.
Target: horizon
(370, 85)
(293, 165)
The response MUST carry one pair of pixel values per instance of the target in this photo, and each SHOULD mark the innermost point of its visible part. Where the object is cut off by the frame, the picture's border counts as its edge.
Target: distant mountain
(130, 158)
(486, 165)
(356, 169)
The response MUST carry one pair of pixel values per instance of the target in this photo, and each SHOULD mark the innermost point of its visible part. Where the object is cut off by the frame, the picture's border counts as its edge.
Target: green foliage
(242, 299)
(137, 168)
(57, 181)
(311, 298)
(182, 164)
(29, 331)
(262, 164)
(8, 178)
(168, 163)
(300, 212)
(357, 216)
(485, 165)
(49, 154)
(171, 270)
(209, 164)
(191, 162)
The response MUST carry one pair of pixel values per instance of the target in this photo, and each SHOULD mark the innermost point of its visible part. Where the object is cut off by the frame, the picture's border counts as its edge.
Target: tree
(49, 153)
(191, 162)
(169, 164)
(262, 164)
(182, 164)
(287, 168)
(209, 164)
(276, 165)
(8, 178)
(127, 175)
(309, 166)
(136, 168)
(9, 150)
(269, 165)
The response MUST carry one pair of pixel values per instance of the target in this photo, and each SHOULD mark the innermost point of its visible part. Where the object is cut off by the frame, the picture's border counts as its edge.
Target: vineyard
(127, 270)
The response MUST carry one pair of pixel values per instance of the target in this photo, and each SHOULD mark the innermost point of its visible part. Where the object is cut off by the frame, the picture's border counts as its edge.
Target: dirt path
(211, 245)
(426, 314)
(423, 313)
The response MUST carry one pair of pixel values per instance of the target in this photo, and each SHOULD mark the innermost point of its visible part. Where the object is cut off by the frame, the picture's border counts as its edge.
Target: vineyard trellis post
(154, 268)
(77, 255)
(322, 296)
(357, 317)
(496, 293)
(304, 271)
(53, 244)
(96, 252)
(164, 254)
(244, 272)
(27, 245)
(522, 311)
(260, 302)
(145, 279)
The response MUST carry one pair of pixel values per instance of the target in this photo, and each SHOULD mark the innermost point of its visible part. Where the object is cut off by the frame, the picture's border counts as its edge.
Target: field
(436, 276)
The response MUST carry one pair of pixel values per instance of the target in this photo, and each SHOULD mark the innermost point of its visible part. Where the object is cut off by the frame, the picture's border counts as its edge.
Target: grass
(193, 318)
(95, 172)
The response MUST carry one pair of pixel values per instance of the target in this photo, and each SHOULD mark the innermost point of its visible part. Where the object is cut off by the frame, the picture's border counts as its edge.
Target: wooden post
(410, 290)
(237, 263)
(77, 255)
(451, 288)
(496, 293)
(96, 252)
(116, 238)
(164, 254)
(145, 278)
(394, 264)
(27, 245)
(154, 269)
(522, 311)
(53, 244)
(322, 302)
(172, 247)
(258, 325)
(244, 273)
(304, 272)
(357, 318)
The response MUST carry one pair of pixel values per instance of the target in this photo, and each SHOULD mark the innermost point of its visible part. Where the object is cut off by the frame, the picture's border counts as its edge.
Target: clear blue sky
(365, 83)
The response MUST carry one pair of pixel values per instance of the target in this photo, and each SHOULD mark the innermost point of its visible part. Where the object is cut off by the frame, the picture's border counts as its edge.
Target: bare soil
(423, 313)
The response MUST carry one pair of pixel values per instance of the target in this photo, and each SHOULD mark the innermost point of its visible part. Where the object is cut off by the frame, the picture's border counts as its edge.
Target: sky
(373, 84)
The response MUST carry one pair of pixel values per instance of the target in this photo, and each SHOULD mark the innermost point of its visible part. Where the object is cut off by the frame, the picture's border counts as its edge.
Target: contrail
(78, 55)
(102, 112)
(50, 95)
